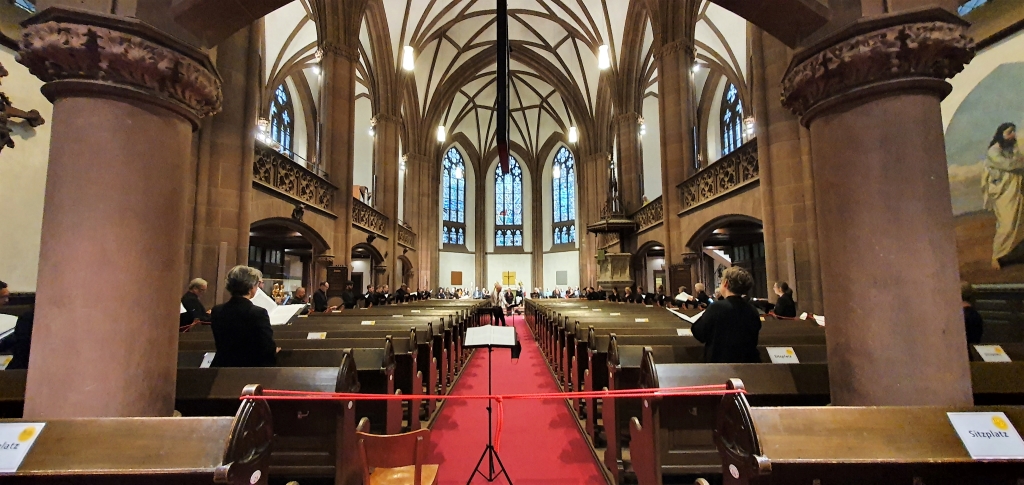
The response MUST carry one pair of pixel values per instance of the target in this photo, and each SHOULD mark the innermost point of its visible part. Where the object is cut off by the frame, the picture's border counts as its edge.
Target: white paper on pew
(992, 353)
(7, 323)
(368, 322)
(988, 436)
(207, 360)
(316, 335)
(182, 308)
(5, 360)
(649, 306)
(684, 332)
(820, 319)
(641, 320)
(596, 310)
(614, 314)
(803, 316)
(415, 311)
(782, 355)
(397, 316)
(17, 439)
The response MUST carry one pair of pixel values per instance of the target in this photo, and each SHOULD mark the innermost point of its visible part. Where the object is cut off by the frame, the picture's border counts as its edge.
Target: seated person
(729, 329)
(784, 306)
(972, 319)
(194, 309)
(22, 340)
(298, 297)
(241, 330)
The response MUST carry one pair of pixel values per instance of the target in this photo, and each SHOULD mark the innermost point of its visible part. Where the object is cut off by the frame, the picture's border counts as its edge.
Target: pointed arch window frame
(508, 208)
(563, 200)
(282, 119)
(731, 119)
(453, 200)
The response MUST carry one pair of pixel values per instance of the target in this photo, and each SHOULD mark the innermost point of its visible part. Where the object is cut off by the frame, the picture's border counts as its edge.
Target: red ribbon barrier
(710, 390)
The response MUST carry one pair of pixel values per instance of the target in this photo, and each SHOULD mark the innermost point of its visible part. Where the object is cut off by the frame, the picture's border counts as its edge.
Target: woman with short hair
(241, 330)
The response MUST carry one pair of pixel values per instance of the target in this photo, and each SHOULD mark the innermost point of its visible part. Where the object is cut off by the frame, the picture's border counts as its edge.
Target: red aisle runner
(541, 442)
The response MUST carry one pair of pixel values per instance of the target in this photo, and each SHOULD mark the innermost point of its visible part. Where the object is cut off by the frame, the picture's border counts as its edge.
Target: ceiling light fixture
(697, 66)
(441, 135)
(574, 134)
(604, 60)
(316, 69)
(408, 58)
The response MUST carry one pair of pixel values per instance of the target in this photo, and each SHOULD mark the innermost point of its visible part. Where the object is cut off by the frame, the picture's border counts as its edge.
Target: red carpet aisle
(540, 444)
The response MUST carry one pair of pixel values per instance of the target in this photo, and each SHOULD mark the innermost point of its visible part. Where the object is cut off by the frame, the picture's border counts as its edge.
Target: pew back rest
(760, 441)
(230, 450)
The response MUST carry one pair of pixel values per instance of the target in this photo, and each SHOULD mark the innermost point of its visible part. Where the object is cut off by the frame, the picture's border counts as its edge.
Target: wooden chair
(395, 459)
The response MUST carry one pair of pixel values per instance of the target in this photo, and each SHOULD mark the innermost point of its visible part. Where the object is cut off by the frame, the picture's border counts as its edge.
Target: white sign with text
(641, 320)
(782, 355)
(684, 332)
(992, 353)
(316, 335)
(207, 360)
(5, 360)
(988, 436)
(368, 322)
(15, 441)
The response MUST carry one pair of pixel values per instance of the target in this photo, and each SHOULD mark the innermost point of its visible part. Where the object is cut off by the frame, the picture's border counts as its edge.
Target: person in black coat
(973, 322)
(729, 328)
(194, 309)
(241, 330)
(22, 340)
(320, 298)
(784, 306)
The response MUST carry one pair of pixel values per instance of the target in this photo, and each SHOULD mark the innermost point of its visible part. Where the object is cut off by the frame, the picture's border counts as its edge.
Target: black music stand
(491, 337)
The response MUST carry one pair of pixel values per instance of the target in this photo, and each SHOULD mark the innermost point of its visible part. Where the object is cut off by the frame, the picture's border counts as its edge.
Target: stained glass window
(563, 197)
(732, 120)
(282, 119)
(508, 206)
(453, 198)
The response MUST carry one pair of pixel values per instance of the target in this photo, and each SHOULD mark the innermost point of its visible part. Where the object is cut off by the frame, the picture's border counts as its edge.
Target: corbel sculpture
(8, 111)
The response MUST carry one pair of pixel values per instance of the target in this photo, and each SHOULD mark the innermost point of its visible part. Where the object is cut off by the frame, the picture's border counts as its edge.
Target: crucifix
(8, 111)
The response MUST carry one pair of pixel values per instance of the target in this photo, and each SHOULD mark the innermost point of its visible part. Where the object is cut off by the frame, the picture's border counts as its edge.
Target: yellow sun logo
(27, 434)
(998, 349)
(1000, 423)
(789, 351)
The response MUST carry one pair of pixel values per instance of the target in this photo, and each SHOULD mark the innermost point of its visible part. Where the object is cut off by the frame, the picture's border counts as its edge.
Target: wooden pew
(682, 426)
(770, 445)
(137, 451)
(312, 439)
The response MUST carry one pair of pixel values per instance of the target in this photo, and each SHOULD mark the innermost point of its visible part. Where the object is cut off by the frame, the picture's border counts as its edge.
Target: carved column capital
(626, 118)
(77, 51)
(918, 50)
(674, 47)
(386, 118)
(348, 52)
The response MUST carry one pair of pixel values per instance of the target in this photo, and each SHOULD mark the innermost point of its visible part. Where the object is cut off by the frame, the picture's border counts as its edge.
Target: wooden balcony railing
(367, 218)
(290, 179)
(406, 237)
(732, 172)
(649, 215)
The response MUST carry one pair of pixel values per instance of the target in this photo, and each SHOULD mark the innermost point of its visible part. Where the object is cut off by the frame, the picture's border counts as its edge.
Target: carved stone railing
(368, 219)
(649, 215)
(290, 179)
(732, 172)
(406, 237)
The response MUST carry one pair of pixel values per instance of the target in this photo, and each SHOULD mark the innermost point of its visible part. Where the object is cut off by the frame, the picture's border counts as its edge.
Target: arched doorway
(285, 250)
(648, 266)
(367, 266)
(406, 275)
(732, 240)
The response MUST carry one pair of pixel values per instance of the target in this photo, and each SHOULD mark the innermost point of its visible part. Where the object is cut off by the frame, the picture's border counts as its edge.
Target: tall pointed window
(282, 120)
(508, 206)
(453, 203)
(732, 120)
(563, 197)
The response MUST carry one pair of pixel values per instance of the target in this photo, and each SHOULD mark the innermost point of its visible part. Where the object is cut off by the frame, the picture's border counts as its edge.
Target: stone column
(126, 99)
(870, 96)
(417, 214)
(675, 61)
(386, 167)
(337, 142)
(631, 162)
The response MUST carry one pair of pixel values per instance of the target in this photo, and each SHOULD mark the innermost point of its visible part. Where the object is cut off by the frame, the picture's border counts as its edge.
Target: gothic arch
(705, 231)
(320, 245)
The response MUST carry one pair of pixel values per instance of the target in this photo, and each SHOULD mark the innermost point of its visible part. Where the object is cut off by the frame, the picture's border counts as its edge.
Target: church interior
(627, 183)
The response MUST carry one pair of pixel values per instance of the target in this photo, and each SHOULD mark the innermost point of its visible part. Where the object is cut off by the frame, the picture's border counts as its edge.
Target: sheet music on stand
(490, 336)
